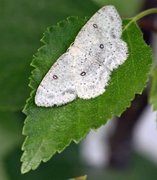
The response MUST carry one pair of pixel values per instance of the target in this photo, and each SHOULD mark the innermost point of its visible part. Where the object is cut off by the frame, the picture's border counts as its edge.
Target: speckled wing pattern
(85, 69)
(58, 86)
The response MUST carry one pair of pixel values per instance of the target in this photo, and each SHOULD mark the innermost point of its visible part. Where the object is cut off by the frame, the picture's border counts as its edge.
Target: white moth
(85, 69)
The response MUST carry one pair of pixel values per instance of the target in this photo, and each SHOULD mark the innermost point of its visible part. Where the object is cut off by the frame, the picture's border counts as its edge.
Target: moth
(85, 69)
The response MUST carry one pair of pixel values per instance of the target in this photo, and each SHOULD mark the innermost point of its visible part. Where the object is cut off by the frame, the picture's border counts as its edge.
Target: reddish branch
(148, 24)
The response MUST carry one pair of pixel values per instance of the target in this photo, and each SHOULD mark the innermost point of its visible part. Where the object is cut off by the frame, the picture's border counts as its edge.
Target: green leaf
(153, 92)
(51, 130)
(22, 23)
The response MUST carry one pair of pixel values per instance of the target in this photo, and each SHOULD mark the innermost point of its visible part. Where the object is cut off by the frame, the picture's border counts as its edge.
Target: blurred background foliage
(22, 24)
(126, 8)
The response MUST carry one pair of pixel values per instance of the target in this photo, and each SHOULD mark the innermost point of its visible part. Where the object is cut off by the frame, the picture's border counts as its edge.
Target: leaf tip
(25, 168)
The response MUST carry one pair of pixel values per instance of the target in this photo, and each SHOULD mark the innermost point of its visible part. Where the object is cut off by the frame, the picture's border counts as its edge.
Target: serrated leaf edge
(24, 170)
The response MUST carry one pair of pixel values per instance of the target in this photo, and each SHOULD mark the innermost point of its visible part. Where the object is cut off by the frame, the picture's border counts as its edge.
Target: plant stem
(141, 15)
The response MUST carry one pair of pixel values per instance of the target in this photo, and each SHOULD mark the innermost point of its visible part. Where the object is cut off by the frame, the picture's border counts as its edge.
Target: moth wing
(102, 51)
(104, 24)
(94, 66)
(90, 77)
(112, 54)
(57, 87)
(84, 70)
